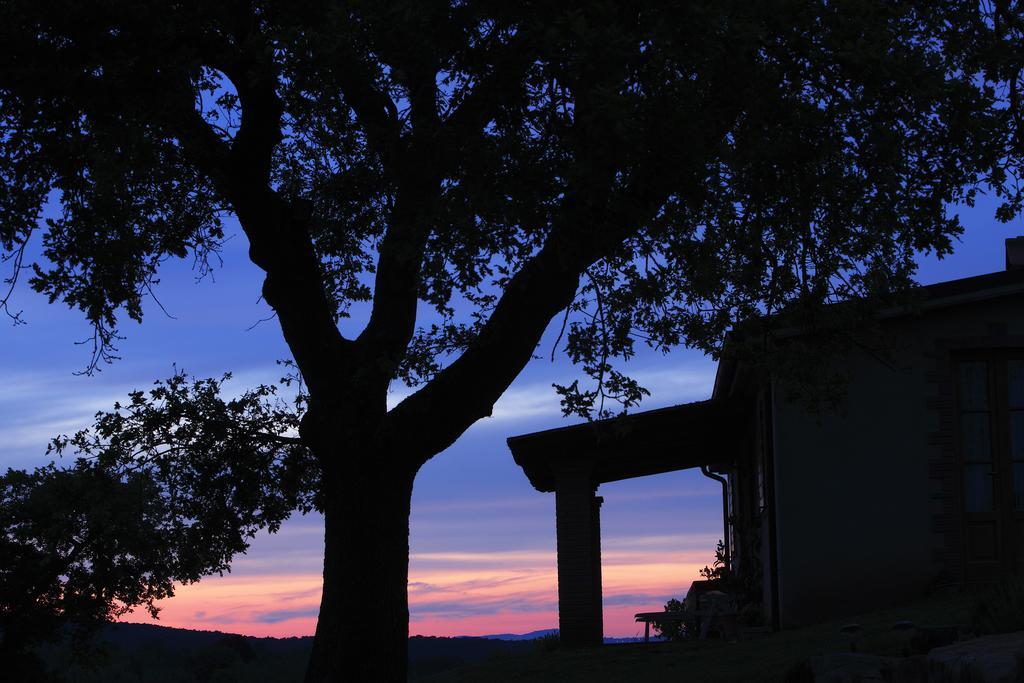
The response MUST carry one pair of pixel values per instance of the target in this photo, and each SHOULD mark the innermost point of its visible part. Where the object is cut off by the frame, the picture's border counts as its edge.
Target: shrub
(1001, 608)
(719, 569)
(671, 630)
(547, 643)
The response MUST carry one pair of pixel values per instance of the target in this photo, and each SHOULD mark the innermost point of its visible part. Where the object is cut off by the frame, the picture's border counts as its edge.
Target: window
(1015, 410)
(976, 436)
(990, 428)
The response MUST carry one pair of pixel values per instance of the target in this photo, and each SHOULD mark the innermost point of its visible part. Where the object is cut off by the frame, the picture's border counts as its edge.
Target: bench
(708, 609)
(658, 618)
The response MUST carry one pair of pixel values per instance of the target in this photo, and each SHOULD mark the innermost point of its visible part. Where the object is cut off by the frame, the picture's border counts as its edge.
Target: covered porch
(573, 461)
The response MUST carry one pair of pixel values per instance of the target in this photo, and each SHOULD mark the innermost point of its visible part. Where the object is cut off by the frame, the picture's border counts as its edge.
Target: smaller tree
(165, 489)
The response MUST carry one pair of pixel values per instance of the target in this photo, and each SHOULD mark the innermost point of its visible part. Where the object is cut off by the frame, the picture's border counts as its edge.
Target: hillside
(152, 654)
(768, 659)
(145, 653)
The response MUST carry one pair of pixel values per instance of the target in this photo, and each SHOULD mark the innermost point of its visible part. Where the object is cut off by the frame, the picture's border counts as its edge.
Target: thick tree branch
(278, 236)
(392, 320)
(373, 107)
(467, 390)
(595, 221)
(433, 148)
(330, 36)
(466, 122)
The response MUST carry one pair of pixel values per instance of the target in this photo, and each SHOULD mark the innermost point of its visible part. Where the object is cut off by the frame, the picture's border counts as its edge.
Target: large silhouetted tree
(633, 171)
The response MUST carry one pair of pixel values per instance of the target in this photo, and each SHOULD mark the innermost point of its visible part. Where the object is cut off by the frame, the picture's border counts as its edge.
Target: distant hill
(129, 635)
(532, 635)
(131, 653)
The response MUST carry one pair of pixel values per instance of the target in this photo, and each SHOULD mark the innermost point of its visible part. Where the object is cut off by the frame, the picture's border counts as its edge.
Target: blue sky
(482, 538)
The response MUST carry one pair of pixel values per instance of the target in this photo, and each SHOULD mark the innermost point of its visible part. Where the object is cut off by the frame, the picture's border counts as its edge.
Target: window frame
(1006, 518)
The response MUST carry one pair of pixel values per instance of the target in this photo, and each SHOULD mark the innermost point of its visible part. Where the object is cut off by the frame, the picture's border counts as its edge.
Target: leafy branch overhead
(164, 489)
(231, 463)
(658, 173)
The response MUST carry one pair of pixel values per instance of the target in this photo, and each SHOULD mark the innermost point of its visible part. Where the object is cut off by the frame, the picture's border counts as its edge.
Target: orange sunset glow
(450, 593)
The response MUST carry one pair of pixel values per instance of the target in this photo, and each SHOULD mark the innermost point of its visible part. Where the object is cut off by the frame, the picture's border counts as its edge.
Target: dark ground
(139, 653)
(143, 653)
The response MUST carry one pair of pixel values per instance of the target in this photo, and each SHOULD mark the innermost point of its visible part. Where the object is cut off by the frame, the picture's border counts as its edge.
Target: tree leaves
(719, 160)
(659, 173)
(165, 489)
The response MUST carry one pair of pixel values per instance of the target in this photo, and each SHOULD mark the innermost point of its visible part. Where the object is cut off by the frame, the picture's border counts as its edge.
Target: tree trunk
(363, 629)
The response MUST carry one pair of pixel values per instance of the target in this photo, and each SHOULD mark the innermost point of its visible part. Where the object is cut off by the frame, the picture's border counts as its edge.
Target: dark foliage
(999, 608)
(638, 173)
(708, 163)
(133, 652)
(672, 630)
(166, 488)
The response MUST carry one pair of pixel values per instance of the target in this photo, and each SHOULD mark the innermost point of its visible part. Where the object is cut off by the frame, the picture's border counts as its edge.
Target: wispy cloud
(634, 599)
(523, 402)
(503, 558)
(456, 592)
(36, 407)
(668, 386)
(529, 502)
(663, 494)
(278, 616)
(645, 544)
(462, 609)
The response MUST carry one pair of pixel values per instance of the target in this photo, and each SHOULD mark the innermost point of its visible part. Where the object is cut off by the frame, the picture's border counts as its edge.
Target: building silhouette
(913, 484)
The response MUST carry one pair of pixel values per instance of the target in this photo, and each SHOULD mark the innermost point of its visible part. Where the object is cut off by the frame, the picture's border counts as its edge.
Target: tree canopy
(164, 489)
(468, 173)
(695, 163)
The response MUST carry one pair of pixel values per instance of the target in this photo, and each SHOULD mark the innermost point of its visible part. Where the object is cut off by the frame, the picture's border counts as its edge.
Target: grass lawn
(766, 659)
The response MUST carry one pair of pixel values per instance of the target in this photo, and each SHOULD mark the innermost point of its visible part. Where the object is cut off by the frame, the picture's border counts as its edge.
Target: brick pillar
(578, 523)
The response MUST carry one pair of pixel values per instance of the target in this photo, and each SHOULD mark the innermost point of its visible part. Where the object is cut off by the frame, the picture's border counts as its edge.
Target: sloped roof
(968, 289)
(921, 300)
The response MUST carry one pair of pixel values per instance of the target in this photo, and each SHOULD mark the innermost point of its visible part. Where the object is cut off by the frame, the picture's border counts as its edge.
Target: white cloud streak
(35, 407)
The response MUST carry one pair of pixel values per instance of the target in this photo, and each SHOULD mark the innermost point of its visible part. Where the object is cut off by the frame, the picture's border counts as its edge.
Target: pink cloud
(450, 593)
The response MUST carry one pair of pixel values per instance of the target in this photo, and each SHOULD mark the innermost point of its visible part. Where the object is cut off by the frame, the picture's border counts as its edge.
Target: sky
(482, 539)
